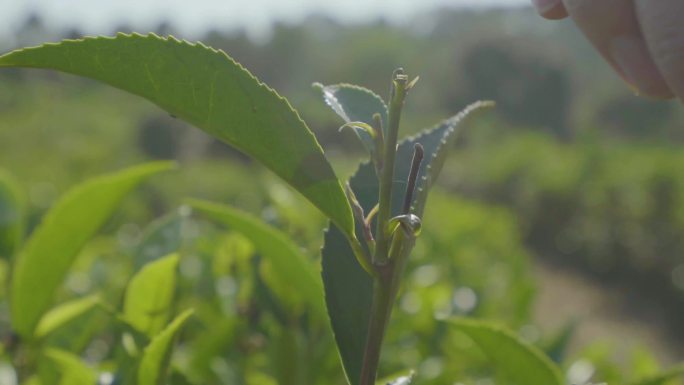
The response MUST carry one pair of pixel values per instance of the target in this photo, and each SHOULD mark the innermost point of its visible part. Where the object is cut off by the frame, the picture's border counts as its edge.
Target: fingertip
(631, 58)
(663, 32)
(664, 93)
(550, 9)
(556, 13)
(652, 93)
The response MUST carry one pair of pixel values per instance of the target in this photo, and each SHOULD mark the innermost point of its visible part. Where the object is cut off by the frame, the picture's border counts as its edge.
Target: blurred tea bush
(572, 170)
(615, 210)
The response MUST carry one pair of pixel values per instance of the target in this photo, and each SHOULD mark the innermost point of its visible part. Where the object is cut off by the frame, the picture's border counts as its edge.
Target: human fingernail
(633, 59)
(543, 6)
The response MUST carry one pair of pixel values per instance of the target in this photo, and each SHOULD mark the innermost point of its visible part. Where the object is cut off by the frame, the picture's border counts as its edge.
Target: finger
(663, 28)
(550, 9)
(613, 28)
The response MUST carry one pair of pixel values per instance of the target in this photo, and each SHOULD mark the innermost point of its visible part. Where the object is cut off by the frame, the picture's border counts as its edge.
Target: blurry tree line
(543, 76)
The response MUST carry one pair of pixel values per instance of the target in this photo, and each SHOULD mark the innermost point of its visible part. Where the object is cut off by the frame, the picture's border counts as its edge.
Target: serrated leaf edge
(432, 172)
(200, 45)
(172, 39)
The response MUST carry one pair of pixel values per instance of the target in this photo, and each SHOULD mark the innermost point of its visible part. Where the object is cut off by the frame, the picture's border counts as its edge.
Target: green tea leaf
(149, 295)
(156, 357)
(69, 224)
(285, 256)
(520, 362)
(437, 144)
(211, 91)
(33, 380)
(355, 104)
(662, 378)
(65, 313)
(12, 215)
(348, 288)
(73, 370)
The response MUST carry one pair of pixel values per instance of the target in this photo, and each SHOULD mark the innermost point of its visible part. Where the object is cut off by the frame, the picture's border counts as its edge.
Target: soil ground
(605, 313)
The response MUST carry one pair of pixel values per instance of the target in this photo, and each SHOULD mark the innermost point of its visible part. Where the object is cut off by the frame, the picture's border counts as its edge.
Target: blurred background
(565, 206)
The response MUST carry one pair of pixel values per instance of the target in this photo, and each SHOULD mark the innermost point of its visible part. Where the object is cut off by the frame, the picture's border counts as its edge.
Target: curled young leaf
(356, 104)
(410, 224)
(367, 128)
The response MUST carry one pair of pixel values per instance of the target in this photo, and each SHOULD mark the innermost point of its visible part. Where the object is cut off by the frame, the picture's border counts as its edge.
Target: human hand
(642, 39)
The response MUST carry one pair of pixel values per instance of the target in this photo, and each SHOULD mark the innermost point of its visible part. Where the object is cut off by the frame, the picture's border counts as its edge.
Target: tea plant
(375, 217)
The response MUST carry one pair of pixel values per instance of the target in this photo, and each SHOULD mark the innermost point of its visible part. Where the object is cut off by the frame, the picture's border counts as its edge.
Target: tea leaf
(156, 357)
(355, 104)
(437, 144)
(73, 370)
(65, 229)
(348, 288)
(12, 215)
(520, 362)
(149, 295)
(208, 89)
(65, 313)
(285, 256)
(662, 378)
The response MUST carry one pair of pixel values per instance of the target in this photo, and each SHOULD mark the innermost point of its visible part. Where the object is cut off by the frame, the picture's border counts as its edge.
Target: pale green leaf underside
(348, 288)
(211, 91)
(12, 215)
(401, 381)
(288, 262)
(404, 378)
(663, 378)
(520, 362)
(64, 313)
(70, 223)
(355, 104)
(149, 295)
(72, 370)
(157, 355)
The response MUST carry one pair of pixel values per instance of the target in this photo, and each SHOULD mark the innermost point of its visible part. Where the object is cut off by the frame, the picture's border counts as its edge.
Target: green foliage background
(572, 170)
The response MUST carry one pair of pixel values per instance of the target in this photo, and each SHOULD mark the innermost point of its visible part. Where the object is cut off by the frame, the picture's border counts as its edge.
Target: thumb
(663, 29)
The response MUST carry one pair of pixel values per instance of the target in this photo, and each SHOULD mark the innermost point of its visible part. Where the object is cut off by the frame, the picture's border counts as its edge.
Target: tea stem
(385, 288)
(397, 96)
(377, 324)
